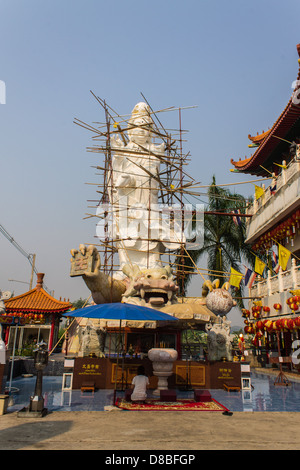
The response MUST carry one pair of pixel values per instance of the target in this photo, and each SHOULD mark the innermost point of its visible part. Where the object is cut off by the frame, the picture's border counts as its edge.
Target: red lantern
(249, 329)
(259, 325)
(266, 309)
(268, 325)
(291, 324)
(277, 306)
(246, 313)
(294, 306)
(256, 312)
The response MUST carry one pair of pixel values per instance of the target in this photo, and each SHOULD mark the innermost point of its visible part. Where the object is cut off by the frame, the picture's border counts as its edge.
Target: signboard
(228, 373)
(82, 263)
(88, 369)
(225, 372)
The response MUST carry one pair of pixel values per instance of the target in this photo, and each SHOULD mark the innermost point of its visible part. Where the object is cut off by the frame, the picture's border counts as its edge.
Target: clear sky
(235, 60)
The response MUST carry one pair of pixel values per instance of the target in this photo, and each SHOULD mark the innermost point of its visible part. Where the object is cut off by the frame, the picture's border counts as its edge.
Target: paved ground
(160, 430)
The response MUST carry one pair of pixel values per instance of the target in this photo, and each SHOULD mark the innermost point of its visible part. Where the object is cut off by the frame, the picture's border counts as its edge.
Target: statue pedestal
(162, 363)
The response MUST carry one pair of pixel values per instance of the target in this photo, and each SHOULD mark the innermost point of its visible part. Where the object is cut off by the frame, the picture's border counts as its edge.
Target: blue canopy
(120, 311)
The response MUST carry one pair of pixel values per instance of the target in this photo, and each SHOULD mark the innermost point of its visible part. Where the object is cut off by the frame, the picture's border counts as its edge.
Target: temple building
(273, 230)
(40, 314)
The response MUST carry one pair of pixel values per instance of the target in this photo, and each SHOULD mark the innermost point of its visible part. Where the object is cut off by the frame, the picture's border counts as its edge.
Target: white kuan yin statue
(133, 186)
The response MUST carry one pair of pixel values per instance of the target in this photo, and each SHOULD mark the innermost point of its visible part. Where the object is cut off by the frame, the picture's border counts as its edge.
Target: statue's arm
(103, 288)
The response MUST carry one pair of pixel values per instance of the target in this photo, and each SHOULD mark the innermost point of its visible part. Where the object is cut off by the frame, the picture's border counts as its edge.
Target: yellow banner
(259, 192)
(235, 278)
(283, 256)
(259, 266)
(281, 166)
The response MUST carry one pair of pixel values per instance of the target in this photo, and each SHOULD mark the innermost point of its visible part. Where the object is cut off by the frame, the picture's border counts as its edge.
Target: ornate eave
(259, 138)
(268, 141)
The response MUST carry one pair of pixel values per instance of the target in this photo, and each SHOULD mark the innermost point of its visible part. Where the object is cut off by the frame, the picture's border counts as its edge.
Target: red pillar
(6, 335)
(51, 333)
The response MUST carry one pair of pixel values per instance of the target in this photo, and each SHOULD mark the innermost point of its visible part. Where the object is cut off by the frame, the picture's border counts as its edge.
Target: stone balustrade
(281, 282)
(282, 180)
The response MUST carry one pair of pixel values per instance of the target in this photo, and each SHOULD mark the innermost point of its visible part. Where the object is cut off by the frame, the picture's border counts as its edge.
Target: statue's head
(152, 287)
(140, 124)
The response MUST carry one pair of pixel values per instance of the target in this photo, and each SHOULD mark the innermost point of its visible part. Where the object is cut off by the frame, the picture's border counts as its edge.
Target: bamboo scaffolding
(226, 273)
(173, 184)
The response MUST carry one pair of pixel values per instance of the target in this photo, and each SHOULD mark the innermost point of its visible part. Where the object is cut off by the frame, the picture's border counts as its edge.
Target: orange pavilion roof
(241, 163)
(36, 300)
(259, 138)
(270, 139)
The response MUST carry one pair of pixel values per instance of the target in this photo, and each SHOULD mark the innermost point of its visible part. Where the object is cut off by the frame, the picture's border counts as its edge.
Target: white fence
(281, 282)
(281, 181)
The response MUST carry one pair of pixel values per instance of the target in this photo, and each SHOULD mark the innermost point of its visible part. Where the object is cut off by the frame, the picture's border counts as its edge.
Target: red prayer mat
(179, 405)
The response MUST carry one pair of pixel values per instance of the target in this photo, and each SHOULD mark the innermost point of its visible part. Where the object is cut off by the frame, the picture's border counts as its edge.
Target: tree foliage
(79, 303)
(224, 241)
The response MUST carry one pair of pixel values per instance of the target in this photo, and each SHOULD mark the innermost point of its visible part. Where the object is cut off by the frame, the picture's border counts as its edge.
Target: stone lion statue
(218, 341)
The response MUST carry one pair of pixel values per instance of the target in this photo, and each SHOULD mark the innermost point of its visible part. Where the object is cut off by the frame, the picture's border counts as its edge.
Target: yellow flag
(283, 256)
(259, 266)
(281, 166)
(235, 278)
(259, 192)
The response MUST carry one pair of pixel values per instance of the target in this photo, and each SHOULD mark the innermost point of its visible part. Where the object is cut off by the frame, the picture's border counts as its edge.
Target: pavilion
(42, 314)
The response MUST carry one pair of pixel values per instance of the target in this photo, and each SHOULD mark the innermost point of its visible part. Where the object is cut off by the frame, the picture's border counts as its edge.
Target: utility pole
(32, 270)
(31, 257)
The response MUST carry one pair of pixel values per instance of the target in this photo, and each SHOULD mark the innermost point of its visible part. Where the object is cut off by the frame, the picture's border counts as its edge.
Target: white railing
(281, 180)
(281, 282)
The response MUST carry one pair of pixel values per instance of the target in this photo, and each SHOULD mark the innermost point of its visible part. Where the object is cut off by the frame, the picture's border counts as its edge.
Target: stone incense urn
(162, 362)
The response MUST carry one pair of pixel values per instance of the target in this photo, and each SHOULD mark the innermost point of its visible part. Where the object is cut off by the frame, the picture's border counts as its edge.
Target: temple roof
(259, 138)
(269, 140)
(36, 300)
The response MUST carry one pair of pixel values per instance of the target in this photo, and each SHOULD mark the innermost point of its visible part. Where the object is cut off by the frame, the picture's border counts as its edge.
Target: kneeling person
(140, 383)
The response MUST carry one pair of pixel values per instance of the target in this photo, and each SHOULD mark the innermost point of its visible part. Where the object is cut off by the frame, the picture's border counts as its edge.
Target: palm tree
(224, 241)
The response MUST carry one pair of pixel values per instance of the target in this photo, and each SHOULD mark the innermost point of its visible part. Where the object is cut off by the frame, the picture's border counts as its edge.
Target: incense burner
(162, 363)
